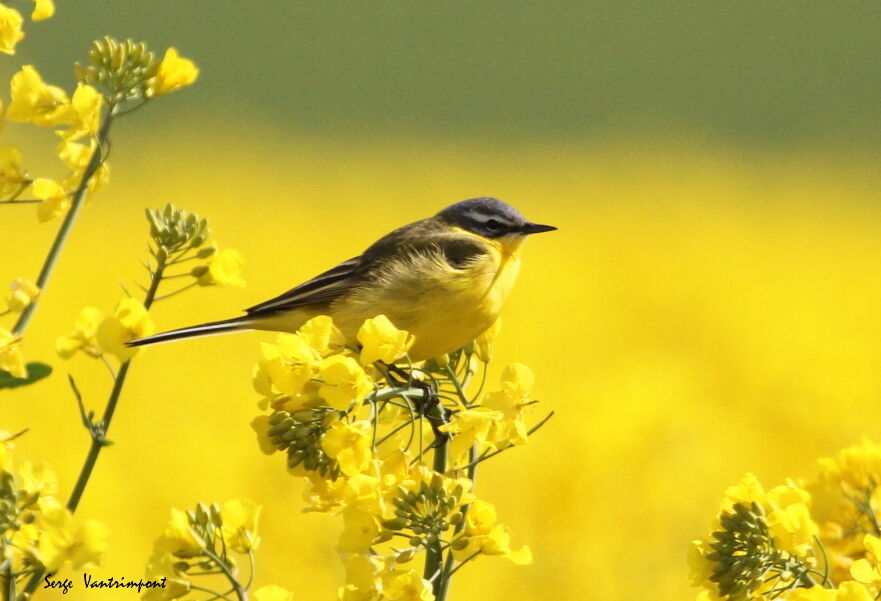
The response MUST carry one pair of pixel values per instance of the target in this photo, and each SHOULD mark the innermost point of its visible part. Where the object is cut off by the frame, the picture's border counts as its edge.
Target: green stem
(9, 589)
(110, 409)
(215, 594)
(241, 593)
(433, 552)
(99, 442)
(67, 225)
(442, 587)
(460, 392)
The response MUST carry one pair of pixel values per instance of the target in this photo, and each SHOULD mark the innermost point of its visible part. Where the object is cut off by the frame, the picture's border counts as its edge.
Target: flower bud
(395, 524)
(459, 544)
(406, 555)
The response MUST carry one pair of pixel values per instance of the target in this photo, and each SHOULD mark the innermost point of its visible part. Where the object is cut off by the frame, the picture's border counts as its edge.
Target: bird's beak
(536, 228)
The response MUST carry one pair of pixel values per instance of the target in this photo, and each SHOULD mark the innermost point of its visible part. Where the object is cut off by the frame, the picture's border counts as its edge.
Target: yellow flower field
(698, 315)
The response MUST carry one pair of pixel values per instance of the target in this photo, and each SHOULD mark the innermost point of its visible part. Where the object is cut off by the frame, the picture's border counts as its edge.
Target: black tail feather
(204, 329)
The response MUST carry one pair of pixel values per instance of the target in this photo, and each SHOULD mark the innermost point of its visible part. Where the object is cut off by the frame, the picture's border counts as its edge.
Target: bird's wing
(322, 288)
(425, 236)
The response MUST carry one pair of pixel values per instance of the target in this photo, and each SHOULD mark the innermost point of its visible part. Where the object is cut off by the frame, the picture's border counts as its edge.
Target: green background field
(709, 306)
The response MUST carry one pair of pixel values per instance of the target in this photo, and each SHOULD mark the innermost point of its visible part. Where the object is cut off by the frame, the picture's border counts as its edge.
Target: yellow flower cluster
(221, 267)
(200, 542)
(22, 293)
(126, 72)
(11, 355)
(498, 420)
(95, 334)
(310, 368)
(816, 542)
(35, 101)
(36, 530)
(350, 422)
(11, 23)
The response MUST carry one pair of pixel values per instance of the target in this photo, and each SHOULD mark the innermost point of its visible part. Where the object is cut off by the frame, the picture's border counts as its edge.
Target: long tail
(236, 324)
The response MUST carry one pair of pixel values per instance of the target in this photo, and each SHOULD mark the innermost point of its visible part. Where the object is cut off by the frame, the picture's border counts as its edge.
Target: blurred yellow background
(709, 306)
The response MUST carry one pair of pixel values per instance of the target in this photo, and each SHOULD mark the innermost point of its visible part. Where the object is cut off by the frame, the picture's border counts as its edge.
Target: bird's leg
(429, 406)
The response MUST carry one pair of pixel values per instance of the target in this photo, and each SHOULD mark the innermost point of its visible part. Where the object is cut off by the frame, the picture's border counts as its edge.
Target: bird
(443, 279)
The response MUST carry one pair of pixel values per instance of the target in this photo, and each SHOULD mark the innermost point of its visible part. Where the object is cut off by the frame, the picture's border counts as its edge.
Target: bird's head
(491, 218)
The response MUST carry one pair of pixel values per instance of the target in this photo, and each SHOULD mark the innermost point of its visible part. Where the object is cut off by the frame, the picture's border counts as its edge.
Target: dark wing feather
(427, 235)
(322, 288)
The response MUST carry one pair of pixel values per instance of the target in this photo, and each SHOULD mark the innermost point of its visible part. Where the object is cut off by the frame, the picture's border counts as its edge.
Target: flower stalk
(67, 225)
(98, 431)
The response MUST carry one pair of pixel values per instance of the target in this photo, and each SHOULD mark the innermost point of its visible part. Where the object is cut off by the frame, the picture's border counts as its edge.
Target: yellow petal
(862, 571)
(273, 592)
(174, 73)
(43, 9)
(10, 29)
(382, 341)
(239, 517)
(873, 546)
(344, 380)
(11, 356)
(35, 101)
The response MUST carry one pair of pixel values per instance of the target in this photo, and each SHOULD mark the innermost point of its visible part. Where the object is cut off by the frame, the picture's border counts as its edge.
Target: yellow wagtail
(444, 279)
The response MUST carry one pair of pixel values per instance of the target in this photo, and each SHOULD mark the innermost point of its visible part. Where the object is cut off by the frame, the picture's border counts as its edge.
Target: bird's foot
(428, 407)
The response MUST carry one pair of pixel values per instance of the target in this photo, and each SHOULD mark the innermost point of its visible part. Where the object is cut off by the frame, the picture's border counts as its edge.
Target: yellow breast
(443, 307)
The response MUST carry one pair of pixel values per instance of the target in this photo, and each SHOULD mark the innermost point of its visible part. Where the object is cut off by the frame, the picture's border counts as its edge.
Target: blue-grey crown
(490, 217)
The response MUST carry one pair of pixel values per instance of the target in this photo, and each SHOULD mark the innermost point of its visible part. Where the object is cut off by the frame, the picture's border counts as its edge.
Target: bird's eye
(493, 225)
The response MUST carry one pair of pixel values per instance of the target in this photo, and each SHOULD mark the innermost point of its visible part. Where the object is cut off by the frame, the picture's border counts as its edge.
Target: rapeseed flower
(201, 542)
(344, 382)
(382, 341)
(36, 102)
(36, 478)
(84, 336)
(360, 529)
(363, 578)
(484, 534)
(22, 292)
(224, 268)
(349, 445)
(273, 592)
(321, 334)
(11, 356)
(179, 537)
(239, 528)
(865, 569)
(163, 564)
(77, 156)
(173, 73)
(43, 9)
(10, 29)
(471, 427)
(512, 401)
(12, 175)
(285, 366)
(62, 540)
(85, 112)
(130, 320)
(406, 585)
(364, 464)
(54, 199)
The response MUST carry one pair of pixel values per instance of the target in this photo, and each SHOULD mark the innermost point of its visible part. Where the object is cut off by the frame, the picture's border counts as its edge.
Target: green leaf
(36, 372)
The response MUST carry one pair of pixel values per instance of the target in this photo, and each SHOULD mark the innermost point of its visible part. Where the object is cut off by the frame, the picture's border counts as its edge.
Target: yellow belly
(444, 308)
